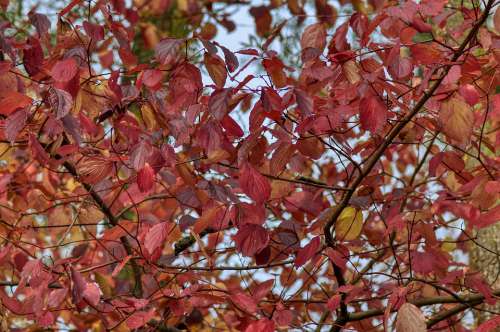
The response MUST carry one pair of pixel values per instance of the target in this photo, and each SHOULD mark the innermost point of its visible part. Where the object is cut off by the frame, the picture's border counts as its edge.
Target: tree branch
(379, 152)
(470, 299)
(113, 221)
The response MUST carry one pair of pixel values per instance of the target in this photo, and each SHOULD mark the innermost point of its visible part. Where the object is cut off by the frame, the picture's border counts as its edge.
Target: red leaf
(156, 236)
(140, 154)
(38, 152)
(304, 102)
(283, 317)
(230, 59)
(64, 70)
(244, 302)
(146, 178)
(140, 318)
(15, 123)
(249, 51)
(477, 282)
(56, 297)
(46, 319)
(262, 289)
(12, 101)
(232, 127)
(33, 56)
(41, 22)
(251, 239)
(492, 323)
(373, 114)
(488, 218)
(262, 325)
(334, 302)
(426, 54)
(78, 289)
(254, 184)
(307, 252)
(94, 31)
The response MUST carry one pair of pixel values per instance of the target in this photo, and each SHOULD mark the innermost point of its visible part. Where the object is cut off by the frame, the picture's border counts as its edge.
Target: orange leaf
(205, 220)
(457, 119)
(13, 101)
(314, 36)
(216, 69)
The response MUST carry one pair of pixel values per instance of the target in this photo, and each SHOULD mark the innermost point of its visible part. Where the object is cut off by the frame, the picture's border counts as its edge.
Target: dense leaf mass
(331, 173)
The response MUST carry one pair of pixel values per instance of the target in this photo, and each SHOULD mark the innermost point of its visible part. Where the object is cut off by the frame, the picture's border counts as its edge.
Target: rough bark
(485, 257)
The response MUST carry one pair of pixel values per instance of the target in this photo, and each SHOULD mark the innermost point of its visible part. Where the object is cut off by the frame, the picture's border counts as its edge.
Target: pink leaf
(410, 319)
(166, 50)
(64, 70)
(120, 266)
(56, 297)
(92, 293)
(156, 236)
(152, 78)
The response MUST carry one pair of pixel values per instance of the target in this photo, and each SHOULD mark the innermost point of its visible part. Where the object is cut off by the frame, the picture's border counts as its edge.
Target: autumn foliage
(153, 179)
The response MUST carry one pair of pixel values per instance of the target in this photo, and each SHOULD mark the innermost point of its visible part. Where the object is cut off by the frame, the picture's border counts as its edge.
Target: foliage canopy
(153, 179)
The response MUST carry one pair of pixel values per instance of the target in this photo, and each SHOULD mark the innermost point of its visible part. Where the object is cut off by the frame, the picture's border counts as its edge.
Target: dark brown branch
(450, 313)
(112, 220)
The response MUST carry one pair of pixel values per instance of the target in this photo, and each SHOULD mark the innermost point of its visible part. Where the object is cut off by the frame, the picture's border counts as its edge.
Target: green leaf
(422, 37)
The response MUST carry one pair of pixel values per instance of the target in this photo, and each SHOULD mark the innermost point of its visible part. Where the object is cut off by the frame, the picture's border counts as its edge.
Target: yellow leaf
(351, 72)
(183, 5)
(148, 116)
(77, 105)
(349, 224)
(456, 118)
(218, 155)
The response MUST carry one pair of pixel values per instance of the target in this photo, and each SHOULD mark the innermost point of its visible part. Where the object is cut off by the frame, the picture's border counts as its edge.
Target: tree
(154, 180)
